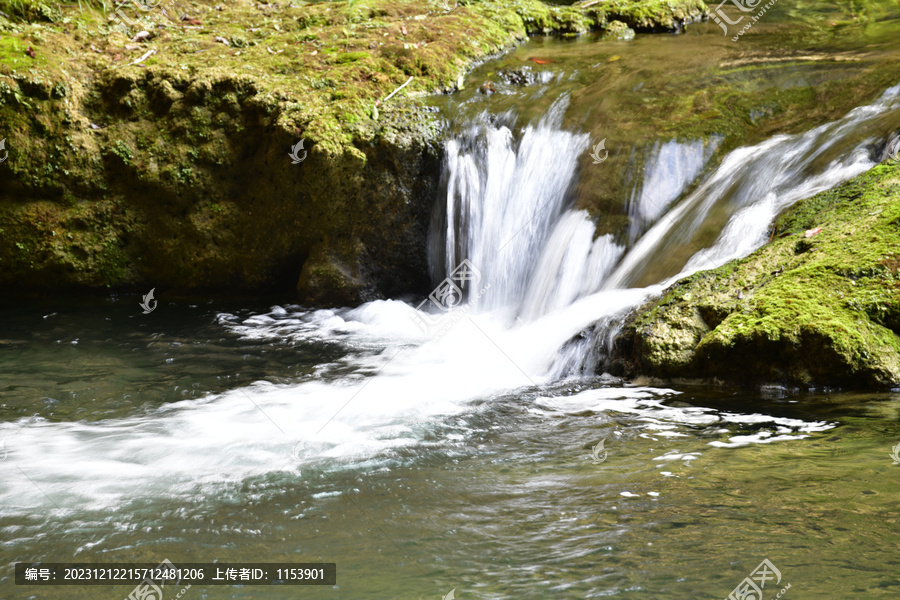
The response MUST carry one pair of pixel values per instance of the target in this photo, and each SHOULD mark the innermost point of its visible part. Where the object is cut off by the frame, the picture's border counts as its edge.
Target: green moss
(121, 149)
(349, 57)
(829, 314)
(176, 172)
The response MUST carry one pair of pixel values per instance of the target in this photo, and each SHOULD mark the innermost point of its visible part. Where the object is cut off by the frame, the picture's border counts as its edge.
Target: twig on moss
(148, 54)
(398, 89)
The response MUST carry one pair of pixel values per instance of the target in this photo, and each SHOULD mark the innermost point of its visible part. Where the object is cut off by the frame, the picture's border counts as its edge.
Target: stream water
(424, 450)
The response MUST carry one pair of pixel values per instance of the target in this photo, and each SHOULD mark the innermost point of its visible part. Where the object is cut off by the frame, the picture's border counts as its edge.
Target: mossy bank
(161, 159)
(817, 306)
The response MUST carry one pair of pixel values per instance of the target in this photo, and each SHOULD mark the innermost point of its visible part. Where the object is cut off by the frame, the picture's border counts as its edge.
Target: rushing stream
(424, 450)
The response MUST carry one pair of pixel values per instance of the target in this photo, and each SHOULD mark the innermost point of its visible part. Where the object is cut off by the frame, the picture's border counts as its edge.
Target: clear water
(497, 497)
(256, 430)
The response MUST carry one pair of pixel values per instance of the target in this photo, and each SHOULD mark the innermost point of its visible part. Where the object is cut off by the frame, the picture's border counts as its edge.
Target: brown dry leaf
(30, 52)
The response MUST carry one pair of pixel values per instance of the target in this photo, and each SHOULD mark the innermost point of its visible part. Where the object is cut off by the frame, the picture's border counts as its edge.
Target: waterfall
(503, 198)
(548, 278)
(669, 168)
(745, 193)
(507, 210)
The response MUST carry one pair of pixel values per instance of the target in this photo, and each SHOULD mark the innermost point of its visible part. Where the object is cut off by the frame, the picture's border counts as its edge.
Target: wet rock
(487, 88)
(829, 317)
(520, 76)
(619, 31)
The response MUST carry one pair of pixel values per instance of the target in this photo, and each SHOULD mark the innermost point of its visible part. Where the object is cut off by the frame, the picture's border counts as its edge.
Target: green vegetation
(163, 158)
(806, 309)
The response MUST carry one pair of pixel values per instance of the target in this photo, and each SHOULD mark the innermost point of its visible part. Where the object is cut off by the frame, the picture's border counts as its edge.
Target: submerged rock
(520, 76)
(809, 311)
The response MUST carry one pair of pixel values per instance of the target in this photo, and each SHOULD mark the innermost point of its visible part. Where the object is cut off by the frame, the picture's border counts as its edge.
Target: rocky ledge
(817, 306)
(162, 147)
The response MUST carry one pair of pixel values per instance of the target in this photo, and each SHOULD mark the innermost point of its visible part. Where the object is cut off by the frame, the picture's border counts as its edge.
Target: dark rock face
(186, 184)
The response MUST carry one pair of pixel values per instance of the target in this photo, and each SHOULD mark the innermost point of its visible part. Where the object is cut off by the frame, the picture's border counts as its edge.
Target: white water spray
(506, 211)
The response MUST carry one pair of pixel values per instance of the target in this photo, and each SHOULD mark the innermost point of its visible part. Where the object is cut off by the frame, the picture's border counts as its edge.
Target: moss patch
(805, 309)
(164, 161)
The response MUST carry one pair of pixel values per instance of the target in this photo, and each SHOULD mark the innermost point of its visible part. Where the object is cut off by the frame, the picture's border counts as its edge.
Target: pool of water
(500, 496)
(255, 430)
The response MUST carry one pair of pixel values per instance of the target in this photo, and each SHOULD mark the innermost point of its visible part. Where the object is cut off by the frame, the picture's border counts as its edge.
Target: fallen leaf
(140, 36)
(30, 52)
(811, 232)
(117, 57)
(541, 61)
(614, 58)
(403, 29)
(193, 22)
(222, 40)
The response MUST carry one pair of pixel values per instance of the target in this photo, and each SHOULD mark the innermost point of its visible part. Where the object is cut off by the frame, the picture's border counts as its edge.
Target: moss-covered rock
(810, 308)
(619, 30)
(164, 162)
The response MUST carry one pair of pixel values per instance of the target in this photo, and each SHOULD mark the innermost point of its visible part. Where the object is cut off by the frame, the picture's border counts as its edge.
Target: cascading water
(739, 199)
(503, 198)
(749, 188)
(669, 168)
(508, 211)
